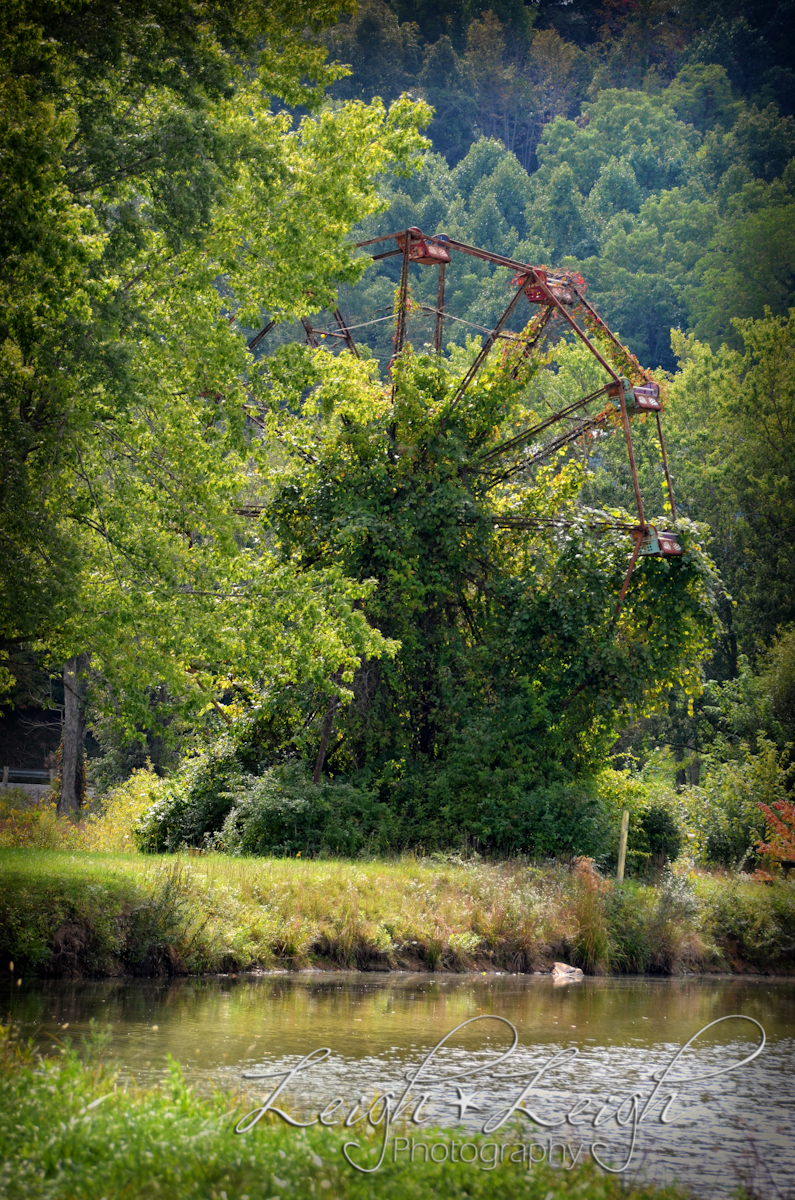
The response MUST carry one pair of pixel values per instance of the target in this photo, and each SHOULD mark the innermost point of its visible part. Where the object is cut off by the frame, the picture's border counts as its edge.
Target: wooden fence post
(622, 846)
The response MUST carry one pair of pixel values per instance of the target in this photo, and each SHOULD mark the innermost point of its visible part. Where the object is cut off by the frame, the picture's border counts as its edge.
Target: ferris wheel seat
(646, 397)
(426, 253)
(558, 285)
(643, 397)
(661, 544)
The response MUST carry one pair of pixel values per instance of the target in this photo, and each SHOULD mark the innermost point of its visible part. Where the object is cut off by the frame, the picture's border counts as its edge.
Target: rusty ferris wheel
(559, 297)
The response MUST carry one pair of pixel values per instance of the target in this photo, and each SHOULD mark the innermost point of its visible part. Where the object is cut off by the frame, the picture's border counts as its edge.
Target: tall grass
(91, 913)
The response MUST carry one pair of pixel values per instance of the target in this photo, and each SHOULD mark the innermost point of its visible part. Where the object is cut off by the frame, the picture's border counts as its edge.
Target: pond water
(734, 1125)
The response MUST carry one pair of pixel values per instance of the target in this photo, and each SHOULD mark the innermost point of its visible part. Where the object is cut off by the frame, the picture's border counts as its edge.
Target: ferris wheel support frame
(558, 291)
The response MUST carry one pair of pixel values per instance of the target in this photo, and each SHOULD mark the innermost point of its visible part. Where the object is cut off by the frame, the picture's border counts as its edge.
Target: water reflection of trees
(216, 1019)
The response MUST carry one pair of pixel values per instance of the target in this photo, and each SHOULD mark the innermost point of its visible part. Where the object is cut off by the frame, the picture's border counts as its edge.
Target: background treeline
(654, 150)
(509, 68)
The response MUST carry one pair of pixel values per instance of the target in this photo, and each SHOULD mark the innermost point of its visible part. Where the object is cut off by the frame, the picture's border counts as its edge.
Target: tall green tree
(731, 422)
(158, 207)
(513, 671)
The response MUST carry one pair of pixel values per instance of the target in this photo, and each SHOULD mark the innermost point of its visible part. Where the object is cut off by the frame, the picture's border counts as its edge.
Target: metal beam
(439, 331)
(403, 293)
(514, 442)
(485, 349)
(624, 415)
(345, 332)
(255, 341)
(665, 467)
(310, 333)
(531, 343)
(557, 444)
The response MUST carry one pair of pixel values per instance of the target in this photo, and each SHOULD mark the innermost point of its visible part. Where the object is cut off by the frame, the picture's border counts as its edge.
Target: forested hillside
(376, 662)
(650, 148)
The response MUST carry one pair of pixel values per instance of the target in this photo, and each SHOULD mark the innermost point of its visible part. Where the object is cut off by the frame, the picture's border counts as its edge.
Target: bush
(282, 812)
(112, 828)
(656, 829)
(27, 822)
(194, 802)
(656, 929)
(723, 812)
(590, 898)
(663, 834)
(226, 799)
(502, 812)
(751, 924)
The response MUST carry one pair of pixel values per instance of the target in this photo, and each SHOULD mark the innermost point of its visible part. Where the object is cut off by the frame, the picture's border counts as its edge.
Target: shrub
(113, 827)
(781, 826)
(282, 812)
(217, 800)
(194, 802)
(663, 834)
(590, 905)
(723, 812)
(751, 925)
(656, 929)
(656, 829)
(28, 822)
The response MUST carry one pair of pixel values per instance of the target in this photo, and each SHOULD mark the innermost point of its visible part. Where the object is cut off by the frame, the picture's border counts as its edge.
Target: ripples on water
(735, 1126)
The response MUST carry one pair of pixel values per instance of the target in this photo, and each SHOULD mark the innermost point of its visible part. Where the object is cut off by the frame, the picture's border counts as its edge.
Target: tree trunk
(75, 686)
(328, 721)
(325, 734)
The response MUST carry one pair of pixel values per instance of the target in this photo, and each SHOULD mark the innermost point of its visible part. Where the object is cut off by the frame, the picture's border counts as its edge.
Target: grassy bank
(103, 914)
(77, 1133)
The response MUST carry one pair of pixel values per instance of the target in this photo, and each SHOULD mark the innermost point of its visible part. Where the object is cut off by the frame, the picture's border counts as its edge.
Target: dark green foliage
(751, 42)
(778, 680)
(444, 85)
(561, 218)
(282, 812)
(511, 678)
(382, 56)
(663, 833)
(458, 806)
(200, 803)
(503, 810)
(436, 18)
